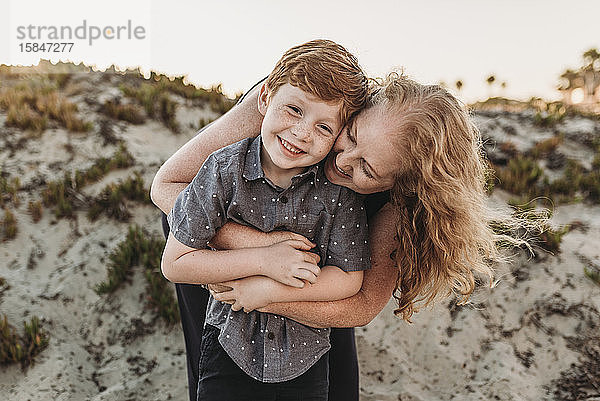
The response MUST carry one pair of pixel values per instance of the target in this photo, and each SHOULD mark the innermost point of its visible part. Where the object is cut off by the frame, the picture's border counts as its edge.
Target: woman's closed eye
(364, 169)
(363, 163)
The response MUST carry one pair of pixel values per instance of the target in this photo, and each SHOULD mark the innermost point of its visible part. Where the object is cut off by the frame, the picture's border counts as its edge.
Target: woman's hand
(289, 262)
(248, 294)
(217, 288)
(275, 237)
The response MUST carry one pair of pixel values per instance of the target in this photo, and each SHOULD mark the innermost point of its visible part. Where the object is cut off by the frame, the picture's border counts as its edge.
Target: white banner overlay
(78, 31)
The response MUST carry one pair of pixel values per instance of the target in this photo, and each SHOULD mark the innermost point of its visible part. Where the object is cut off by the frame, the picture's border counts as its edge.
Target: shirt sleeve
(348, 246)
(200, 209)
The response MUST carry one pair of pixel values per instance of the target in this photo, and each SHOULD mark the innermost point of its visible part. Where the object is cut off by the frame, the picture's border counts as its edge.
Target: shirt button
(271, 336)
(283, 199)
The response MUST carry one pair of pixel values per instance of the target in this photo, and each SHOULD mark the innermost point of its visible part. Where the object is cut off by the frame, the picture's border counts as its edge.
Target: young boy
(276, 182)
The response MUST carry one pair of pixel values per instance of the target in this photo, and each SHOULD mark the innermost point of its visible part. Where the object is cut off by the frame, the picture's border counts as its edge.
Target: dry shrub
(8, 190)
(520, 176)
(545, 147)
(22, 116)
(111, 200)
(21, 349)
(509, 148)
(35, 210)
(125, 112)
(140, 248)
(62, 194)
(9, 225)
(30, 105)
(156, 102)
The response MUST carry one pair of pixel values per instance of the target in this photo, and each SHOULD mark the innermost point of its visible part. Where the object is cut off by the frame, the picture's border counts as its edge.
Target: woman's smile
(339, 170)
(334, 173)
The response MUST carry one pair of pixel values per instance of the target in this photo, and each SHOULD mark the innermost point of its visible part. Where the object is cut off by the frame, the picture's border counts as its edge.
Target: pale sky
(526, 43)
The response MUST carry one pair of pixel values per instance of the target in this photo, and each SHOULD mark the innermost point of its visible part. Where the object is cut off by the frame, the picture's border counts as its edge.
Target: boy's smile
(293, 150)
(298, 130)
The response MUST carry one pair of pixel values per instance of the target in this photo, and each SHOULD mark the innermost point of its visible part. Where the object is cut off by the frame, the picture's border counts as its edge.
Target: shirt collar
(253, 167)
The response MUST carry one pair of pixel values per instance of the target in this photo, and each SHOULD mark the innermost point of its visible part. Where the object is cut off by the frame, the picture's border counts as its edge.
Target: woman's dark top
(374, 202)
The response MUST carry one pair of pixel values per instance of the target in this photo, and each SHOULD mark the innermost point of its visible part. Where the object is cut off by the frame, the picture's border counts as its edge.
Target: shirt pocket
(308, 223)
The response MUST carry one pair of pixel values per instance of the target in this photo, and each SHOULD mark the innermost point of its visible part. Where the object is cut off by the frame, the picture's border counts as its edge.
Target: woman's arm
(378, 285)
(242, 121)
(259, 291)
(234, 235)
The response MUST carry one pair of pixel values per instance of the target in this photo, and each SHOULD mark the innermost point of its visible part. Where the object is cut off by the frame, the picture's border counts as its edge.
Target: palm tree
(568, 79)
(490, 80)
(586, 77)
(591, 56)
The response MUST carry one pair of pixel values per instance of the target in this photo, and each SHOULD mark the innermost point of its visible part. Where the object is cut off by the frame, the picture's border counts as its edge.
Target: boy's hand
(248, 294)
(289, 262)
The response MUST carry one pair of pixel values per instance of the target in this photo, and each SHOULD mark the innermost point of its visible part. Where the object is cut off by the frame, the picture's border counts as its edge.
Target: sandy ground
(509, 345)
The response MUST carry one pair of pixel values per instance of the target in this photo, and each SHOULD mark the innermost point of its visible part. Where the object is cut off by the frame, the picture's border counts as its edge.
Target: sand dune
(514, 343)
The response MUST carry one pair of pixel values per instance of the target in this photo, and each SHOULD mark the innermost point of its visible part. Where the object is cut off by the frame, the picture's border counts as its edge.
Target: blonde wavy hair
(443, 231)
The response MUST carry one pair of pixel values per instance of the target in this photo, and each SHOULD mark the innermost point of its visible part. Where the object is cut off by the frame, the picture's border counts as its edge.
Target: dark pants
(343, 364)
(222, 380)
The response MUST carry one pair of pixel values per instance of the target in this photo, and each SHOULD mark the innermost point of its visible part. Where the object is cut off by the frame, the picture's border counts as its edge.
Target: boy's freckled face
(298, 129)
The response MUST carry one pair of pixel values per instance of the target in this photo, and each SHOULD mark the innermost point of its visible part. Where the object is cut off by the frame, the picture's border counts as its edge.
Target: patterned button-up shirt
(231, 185)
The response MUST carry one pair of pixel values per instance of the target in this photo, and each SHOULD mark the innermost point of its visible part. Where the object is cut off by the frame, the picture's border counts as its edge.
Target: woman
(414, 149)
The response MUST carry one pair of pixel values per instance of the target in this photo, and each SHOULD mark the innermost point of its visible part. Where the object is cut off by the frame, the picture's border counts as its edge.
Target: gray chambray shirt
(231, 185)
